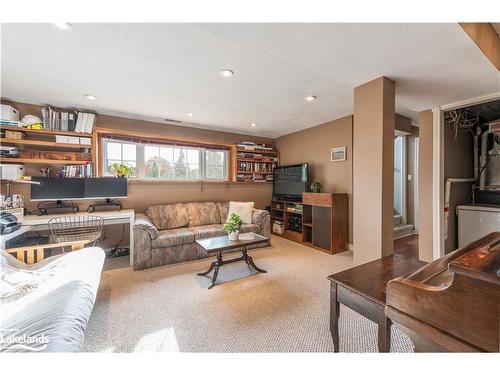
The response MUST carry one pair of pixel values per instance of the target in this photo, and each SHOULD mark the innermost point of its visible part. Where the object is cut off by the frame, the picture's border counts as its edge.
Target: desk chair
(87, 228)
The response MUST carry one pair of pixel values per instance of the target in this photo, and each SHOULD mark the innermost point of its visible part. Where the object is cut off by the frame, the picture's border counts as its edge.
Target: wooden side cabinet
(325, 221)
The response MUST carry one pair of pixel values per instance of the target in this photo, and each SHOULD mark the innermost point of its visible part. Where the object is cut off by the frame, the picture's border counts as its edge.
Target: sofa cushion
(245, 228)
(207, 231)
(223, 210)
(203, 213)
(173, 237)
(168, 216)
(243, 209)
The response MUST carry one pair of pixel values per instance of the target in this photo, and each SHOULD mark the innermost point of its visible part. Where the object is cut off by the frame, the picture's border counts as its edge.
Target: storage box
(11, 171)
(14, 135)
(85, 141)
(8, 113)
(75, 140)
(61, 139)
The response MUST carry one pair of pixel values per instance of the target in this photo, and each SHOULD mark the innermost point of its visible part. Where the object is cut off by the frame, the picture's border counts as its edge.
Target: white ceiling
(158, 71)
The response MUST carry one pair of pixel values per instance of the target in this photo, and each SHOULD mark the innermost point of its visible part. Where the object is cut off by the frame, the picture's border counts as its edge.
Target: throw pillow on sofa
(244, 209)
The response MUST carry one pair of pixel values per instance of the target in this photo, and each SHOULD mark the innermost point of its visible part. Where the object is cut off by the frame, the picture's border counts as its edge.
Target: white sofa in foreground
(45, 307)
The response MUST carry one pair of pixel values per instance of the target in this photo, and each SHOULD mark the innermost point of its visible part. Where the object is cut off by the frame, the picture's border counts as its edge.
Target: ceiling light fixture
(226, 73)
(311, 98)
(253, 124)
(63, 25)
(91, 97)
(190, 114)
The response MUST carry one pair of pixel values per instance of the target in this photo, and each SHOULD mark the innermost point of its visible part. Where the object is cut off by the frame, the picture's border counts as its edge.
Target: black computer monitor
(54, 189)
(105, 188)
(59, 189)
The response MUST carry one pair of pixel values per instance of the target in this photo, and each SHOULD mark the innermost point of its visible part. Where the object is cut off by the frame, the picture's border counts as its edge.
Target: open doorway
(405, 167)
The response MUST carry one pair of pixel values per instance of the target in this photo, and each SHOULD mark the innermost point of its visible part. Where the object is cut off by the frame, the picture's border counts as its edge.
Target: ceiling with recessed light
(158, 71)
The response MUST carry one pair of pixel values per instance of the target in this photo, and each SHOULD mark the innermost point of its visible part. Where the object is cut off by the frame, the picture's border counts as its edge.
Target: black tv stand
(107, 203)
(45, 206)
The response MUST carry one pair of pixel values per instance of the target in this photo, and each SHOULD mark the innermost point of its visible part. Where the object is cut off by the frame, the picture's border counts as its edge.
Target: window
(119, 152)
(174, 162)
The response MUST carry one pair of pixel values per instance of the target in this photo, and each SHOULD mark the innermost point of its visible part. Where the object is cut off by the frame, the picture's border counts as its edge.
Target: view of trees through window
(169, 162)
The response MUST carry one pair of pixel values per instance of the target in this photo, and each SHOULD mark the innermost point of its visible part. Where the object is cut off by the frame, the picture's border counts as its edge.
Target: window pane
(167, 153)
(129, 152)
(193, 171)
(150, 152)
(180, 167)
(193, 156)
(114, 150)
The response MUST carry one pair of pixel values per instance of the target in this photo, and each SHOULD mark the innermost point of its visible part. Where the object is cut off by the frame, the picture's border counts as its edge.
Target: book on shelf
(9, 122)
(76, 171)
(70, 121)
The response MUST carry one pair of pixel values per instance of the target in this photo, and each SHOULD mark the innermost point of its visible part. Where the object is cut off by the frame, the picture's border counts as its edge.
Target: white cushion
(244, 209)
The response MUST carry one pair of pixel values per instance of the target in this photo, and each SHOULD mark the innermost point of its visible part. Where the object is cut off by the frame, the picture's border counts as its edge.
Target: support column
(373, 170)
(425, 186)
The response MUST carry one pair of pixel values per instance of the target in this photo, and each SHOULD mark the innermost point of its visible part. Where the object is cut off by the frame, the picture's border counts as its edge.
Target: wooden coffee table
(217, 245)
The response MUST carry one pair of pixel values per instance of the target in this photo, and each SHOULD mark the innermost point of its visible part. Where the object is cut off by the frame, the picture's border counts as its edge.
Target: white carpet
(169, 308)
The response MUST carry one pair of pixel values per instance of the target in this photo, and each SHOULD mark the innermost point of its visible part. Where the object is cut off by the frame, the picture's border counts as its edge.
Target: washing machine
(476, 221)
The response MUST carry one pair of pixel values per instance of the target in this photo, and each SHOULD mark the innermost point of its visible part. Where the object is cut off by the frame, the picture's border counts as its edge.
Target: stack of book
(70, 121)
(85, 122)
(9, 122)
(54, 120)
(76, 170)
(252, 146)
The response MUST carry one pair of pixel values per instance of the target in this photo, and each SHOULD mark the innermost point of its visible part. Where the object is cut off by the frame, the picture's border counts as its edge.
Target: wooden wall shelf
(49, 144)
(43, 161)
(261, 161)
(38, 147)
(44, 132)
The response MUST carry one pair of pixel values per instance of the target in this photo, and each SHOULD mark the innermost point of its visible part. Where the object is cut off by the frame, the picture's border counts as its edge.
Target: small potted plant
(232, 226)
(316, 187)
(121, 170)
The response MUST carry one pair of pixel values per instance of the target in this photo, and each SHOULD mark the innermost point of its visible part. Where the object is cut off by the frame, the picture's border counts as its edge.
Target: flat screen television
(59, 189)
(290, 181)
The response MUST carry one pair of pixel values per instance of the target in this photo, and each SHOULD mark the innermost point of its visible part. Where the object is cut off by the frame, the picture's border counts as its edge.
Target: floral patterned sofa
(166, 233)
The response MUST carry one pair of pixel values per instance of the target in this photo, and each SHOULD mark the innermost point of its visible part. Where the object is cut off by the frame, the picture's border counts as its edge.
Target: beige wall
(373, 166)
(425, 190)
(313, 146)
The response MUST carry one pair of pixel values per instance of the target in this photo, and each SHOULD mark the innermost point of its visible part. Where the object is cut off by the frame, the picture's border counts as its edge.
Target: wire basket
(76, 228)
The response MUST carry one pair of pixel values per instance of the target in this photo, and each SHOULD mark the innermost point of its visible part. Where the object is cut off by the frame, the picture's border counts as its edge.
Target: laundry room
(471, 172)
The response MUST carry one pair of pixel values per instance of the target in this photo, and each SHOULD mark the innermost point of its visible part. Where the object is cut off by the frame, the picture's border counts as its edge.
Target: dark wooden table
(217, 245)
(362, 289)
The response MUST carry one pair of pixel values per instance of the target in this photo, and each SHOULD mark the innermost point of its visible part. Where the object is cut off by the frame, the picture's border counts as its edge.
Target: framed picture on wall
(339, 153)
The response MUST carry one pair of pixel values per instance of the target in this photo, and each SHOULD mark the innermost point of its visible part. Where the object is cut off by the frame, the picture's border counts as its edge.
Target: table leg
(384, 335)
(334, 317)
(218, 263)
(248, 260)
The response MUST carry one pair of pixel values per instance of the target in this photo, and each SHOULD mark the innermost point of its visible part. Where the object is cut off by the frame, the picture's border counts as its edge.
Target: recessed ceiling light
(253, 124)
(63, 25)
(226, 73)
(91, 97)
(311, 98)
(190, 114)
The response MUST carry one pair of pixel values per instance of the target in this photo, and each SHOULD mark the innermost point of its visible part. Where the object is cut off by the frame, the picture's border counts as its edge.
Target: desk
(32, 222)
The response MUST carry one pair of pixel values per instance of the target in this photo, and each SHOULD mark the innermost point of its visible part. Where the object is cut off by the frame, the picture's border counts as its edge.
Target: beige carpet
(169, 308)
